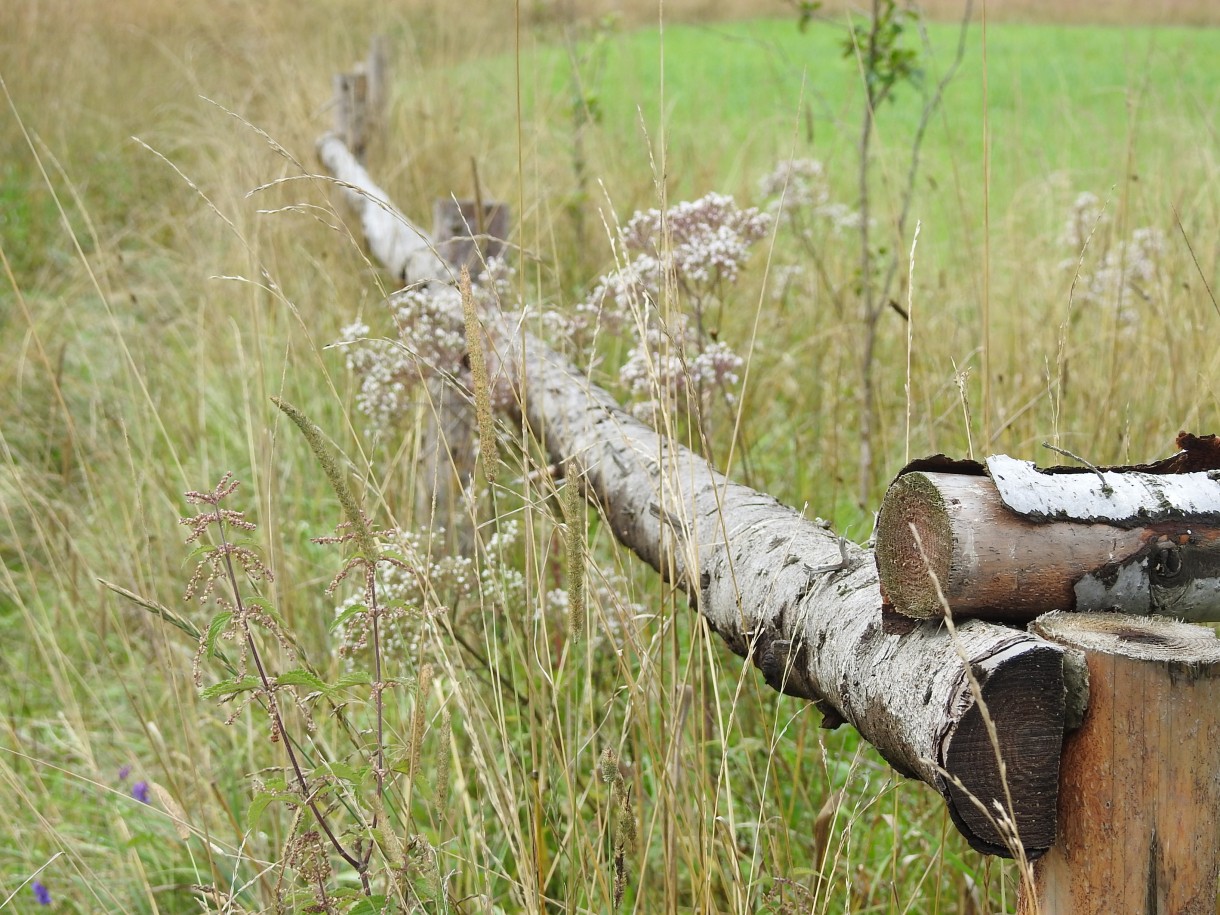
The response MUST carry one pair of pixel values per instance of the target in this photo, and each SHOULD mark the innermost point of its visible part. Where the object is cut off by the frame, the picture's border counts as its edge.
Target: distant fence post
(360, 102)
(467, 232)
(1139, 789)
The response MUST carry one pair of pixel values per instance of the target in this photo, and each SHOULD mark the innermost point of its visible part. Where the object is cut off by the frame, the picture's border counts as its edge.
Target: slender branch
(931, 106)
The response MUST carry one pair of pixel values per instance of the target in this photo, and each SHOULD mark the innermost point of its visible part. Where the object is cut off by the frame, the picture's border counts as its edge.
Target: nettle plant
(343, 853)
(341, 807)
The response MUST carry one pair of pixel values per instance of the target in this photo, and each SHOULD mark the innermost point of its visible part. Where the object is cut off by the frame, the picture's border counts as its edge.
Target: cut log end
(903, 568)
(994, 562)
(1139, 638)
(1023, 693)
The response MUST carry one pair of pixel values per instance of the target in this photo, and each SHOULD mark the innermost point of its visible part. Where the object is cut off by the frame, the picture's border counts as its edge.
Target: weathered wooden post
(468, 232)
(1139, 786)
(360, 100)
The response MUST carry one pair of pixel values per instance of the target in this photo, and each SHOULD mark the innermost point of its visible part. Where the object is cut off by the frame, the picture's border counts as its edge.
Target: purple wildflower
(124, 771)
(140, 792)
(41, 893)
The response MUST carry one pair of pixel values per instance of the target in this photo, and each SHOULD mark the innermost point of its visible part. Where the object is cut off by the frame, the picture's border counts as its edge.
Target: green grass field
(147, 314)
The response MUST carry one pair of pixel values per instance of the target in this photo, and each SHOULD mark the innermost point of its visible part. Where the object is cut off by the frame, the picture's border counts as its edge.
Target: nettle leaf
(219, 623)
(231, 687)
(346, 615)
(345, 772)
(197, 553)
(262, 801)
(368, 905)
(395, 553)
(301, 677)
(355, 678)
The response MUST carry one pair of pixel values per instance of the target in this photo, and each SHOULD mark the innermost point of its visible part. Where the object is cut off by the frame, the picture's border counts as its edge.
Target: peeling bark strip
(1139, 803)
(799, 602)
(805, 607)
(1021, 542)
(1127, 498)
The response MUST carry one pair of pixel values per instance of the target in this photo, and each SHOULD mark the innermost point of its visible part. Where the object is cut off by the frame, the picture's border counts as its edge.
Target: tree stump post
(469, 232)
(360, 101)
(1139, 789)
(352, 110)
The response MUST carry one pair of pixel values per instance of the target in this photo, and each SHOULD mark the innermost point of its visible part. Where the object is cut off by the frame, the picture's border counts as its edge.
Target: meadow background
(150, 306)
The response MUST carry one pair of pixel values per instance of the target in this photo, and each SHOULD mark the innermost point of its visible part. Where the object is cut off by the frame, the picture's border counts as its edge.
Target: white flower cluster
(701, 242)
(430, 342)
(699, 245)
(385, 371)
(1121, 273)
(801, 182)
(804, 189)
(674, 372)
(427, 585)
(784, 277)
(1086, 215)
(694, 250)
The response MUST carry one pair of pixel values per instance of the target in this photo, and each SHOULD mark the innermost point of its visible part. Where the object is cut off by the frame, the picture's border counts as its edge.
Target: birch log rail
(800, 603)
(1010, 542)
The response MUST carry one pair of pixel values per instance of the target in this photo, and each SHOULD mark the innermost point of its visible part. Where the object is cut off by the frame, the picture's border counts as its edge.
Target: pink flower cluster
(701, 242)
(803, 189)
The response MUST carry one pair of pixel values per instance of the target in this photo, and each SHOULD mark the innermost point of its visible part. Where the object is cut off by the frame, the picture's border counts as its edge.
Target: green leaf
(345, 772)
(355, 678)
(347, 615)
(198, 552)
(369, 905)
(268, 608)
(262, 801)
(219, 623)
(301, 677)
(256, 808)
(231, 686)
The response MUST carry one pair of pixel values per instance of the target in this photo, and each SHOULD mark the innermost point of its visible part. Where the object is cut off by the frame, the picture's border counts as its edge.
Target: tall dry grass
(150, 309)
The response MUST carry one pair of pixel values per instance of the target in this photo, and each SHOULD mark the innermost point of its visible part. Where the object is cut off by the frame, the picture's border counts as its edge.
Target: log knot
(782, 664)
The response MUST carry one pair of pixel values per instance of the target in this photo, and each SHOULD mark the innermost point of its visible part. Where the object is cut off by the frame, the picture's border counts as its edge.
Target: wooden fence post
(1139, 789)
(468, 232)
(361, 95)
